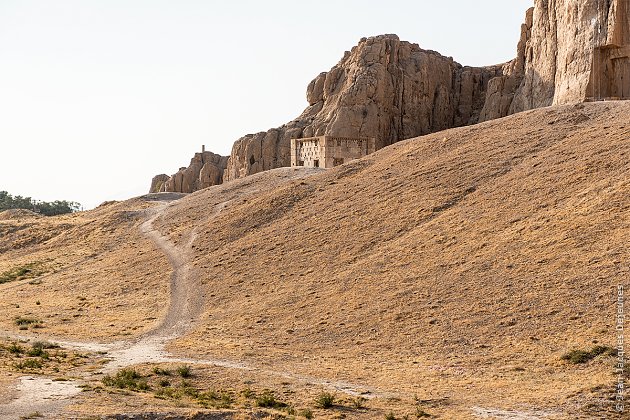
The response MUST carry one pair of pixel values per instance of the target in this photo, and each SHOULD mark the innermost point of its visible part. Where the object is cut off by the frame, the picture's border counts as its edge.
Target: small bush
(164, 383)
(29, 364)
(188, 389)
(248, 393)
(583, 356)
(268, 400)
(45, 345)
(325, 400)
(184, 371)
(24, 323)
(126, 379)
(390, 416)
(162, 372)
(225, 401)
(15, 348)
(209, 395)
(167, 392)
(358, 403)
(306, 413)
(23, 272)
(38, 352)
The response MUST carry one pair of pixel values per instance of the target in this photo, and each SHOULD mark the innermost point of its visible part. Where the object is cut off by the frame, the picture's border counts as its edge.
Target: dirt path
(42, 395)
(186, 305)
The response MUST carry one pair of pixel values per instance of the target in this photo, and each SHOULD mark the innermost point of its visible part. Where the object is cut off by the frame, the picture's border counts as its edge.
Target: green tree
(7, 201)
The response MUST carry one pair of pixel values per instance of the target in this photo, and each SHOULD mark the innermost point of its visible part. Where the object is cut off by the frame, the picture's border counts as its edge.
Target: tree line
(53, 208)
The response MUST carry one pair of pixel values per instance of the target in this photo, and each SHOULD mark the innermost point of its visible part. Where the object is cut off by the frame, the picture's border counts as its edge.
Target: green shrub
(390, 416)
(162, 372)
(325, 400)
(25, 322)
(33, 415)
(248, 393)
(184, 371)
(22, 272)
(15, 348)
(29, 364)
(188, 389)
(583, 356)
(210, 395)
(38, 352)
(225, 401)
(268, 400)
(126, 379)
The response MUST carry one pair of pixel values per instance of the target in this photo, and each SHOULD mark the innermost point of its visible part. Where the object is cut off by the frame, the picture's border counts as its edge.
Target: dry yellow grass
(455, 268)
(102, 278)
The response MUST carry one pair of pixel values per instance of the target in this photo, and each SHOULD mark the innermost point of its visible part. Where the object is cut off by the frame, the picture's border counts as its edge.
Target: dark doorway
(316, 163)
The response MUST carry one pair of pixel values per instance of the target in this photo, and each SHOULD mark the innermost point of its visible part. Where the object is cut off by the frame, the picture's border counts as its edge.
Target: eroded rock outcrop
(384, 88)
(158, 182)
(205, 169)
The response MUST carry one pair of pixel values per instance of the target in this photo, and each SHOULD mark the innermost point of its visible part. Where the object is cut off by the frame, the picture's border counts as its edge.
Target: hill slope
(456, 267)
(449, 260)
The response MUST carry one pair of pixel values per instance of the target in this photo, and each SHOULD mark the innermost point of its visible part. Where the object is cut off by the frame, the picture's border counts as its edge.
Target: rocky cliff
(383, 88)
(569, 51)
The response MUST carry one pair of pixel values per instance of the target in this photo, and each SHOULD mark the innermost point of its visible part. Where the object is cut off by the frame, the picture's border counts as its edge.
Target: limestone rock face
(569, 51)
(158, 182)
(205, 169)
(384, 88)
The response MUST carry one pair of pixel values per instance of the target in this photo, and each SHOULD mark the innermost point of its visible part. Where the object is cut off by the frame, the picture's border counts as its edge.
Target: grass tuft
(22, 272)
(583, 356)
(24, 323)
(28, 364)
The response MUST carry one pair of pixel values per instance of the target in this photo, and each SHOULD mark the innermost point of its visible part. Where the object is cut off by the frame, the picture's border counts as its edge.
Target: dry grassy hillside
(459, 265)
(448, 273)
(93, 273)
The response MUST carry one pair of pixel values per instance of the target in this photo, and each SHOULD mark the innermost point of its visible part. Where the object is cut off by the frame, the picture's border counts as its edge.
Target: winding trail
(41, 394)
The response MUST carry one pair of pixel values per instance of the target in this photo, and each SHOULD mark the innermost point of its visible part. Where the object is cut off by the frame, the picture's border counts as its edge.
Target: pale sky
(98, 96)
